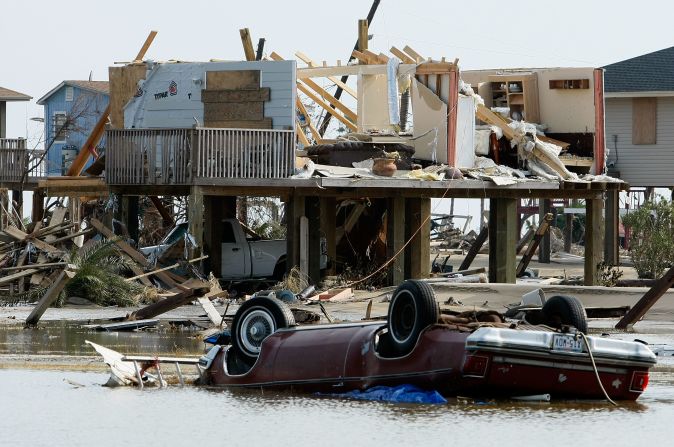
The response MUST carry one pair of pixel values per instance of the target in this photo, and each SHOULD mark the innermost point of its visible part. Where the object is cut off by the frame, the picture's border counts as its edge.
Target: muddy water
(55, 408)
(71, 408)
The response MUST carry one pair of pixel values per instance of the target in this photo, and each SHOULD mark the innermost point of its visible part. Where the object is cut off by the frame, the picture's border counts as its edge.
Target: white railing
(188, 156)
(148, 156)
(245, 153)
(12, 143)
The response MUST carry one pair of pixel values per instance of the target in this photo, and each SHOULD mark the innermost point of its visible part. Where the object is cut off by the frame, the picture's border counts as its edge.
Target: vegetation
(652, 238)
(98, 277)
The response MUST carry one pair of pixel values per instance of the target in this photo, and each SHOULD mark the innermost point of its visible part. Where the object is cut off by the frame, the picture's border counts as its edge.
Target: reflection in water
(92, 415)
(67, 338)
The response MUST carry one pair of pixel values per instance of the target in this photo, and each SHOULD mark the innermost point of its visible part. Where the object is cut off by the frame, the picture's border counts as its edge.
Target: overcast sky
(45, 42)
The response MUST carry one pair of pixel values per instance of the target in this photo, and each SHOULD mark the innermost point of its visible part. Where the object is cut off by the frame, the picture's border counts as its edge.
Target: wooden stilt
(502, 235)
(395, 239)
(594, 235)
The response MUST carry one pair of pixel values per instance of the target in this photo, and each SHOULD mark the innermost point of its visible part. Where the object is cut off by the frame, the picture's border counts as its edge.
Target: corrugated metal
(87, 106)
(641, 165)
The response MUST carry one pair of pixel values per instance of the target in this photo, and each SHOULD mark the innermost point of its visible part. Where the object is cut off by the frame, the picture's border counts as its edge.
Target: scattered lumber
(475, 248)
(49, 297)
(186, 293)
(648, 300)
(542, 229)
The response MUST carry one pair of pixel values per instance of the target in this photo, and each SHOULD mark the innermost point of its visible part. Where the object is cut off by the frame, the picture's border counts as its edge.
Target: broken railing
(19, 164)
(188, 156)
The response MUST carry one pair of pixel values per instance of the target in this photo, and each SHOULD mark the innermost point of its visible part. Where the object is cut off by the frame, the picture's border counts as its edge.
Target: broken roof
(647, 73)
(11, 95)
(102, 87)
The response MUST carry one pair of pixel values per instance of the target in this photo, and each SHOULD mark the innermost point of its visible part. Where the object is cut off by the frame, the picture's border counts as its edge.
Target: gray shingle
(649, 72)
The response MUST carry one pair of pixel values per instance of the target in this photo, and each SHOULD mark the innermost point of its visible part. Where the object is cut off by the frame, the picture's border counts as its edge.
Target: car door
(235, 257)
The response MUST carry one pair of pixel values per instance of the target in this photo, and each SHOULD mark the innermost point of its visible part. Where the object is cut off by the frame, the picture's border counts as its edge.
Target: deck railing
(188, 156)
(19, 164)
(148, 156)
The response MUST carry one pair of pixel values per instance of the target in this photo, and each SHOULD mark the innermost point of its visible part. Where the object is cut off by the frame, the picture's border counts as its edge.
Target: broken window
(644, 120)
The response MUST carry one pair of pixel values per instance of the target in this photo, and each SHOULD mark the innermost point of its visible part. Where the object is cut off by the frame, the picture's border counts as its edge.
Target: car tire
(413, 308)
(562, 310)
(256, 320)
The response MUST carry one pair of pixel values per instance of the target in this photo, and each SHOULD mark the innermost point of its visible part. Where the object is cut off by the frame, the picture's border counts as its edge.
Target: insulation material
(170, 95)
(465, 133)
(393, 103)
(430, 124)
(482, 142)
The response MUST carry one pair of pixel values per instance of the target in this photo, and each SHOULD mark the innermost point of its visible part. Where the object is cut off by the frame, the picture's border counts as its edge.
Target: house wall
(155, 108)
(564, 111)
(640, 165)
(86, 107)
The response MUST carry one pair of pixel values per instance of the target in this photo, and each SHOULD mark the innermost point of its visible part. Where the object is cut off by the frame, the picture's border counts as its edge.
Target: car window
(228, 233)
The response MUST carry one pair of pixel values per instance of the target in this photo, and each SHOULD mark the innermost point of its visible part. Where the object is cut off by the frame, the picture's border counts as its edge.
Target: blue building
(71, 110)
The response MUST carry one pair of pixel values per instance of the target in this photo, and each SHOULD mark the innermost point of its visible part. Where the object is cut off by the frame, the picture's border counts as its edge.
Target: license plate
(569, 343)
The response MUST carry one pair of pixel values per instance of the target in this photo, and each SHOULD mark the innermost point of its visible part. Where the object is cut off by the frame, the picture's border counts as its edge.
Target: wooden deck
(20, 165)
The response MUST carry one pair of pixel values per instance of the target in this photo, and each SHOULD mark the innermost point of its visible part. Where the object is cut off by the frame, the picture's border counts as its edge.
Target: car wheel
(256, 320)
(562, 310)
(413, 308)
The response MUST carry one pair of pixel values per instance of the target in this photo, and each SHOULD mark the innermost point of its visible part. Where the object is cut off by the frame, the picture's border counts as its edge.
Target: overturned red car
(479, 356)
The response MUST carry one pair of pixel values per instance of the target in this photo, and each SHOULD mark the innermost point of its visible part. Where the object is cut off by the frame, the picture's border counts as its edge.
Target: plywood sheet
(123, 87)
(217, 111)
(265, 123)
(644, 120)
(262, 94)
(430, 123)
(233, 80)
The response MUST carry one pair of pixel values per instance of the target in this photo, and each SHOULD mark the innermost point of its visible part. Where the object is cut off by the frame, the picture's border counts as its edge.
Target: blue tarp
(408, 394)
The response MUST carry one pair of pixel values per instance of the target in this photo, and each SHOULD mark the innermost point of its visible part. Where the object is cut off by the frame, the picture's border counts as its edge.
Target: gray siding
(641, 165)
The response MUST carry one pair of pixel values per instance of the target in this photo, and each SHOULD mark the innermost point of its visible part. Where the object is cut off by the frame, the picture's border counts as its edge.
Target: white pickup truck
(243, 256)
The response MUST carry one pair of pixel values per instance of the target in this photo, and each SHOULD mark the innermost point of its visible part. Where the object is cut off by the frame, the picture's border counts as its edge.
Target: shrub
(652, 239)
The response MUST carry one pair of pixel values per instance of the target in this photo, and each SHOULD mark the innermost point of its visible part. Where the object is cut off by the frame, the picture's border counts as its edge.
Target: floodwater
(70, 408)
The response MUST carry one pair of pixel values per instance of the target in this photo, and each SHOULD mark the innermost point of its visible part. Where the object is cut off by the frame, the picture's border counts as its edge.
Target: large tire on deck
(412, 309)
(256, 320)
(562, 310)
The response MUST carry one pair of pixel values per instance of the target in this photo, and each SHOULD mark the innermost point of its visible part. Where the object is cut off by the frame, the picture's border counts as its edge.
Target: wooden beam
(502, 235)
(180, 299)
(533, 245)
(326, 106)
(312, 128)
(300, 134)
(49, 297)
(405, 59)
(146, 45)
(418, 211)
(475, 248)
(23, 237)
(163, 212)
(395, 239)
(594, 235)
(413, 54)
(331, 99)
(364, 58)
(89, 145)
(362, 34)
(10, 278)
(648, 300)
(348, 70)
(247, 44)
(334, 79)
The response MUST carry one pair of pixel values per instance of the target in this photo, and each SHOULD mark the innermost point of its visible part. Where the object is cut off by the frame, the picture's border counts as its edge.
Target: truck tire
(562, 310)
(256, 320)
(413, 308)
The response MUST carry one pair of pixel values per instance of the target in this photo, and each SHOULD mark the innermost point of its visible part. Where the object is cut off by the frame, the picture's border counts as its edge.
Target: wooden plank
(402, 56)
(219, 111)
(334, 79)
(348, 70)
(317, 99)
(49, 297)
(129, 250)
(413, 54)
(648, 300)
(247, 44)
(262, 94)
(475, 248)
(23, 237)
(10, 278)
(301, 135)
(34, 266)
(363, 58)
(89, 147)
(210, 310)
(502, 240)
(331, 99)
(146, 45)
(123, 87)
(265, 123)
(644, 120)
(533, 245)
(233, 80)
(170, 303)
(395, 239)
(312, 128)
(594, 239)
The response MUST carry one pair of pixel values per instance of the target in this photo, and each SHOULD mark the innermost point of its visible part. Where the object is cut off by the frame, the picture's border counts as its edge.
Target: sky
(45, 42)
